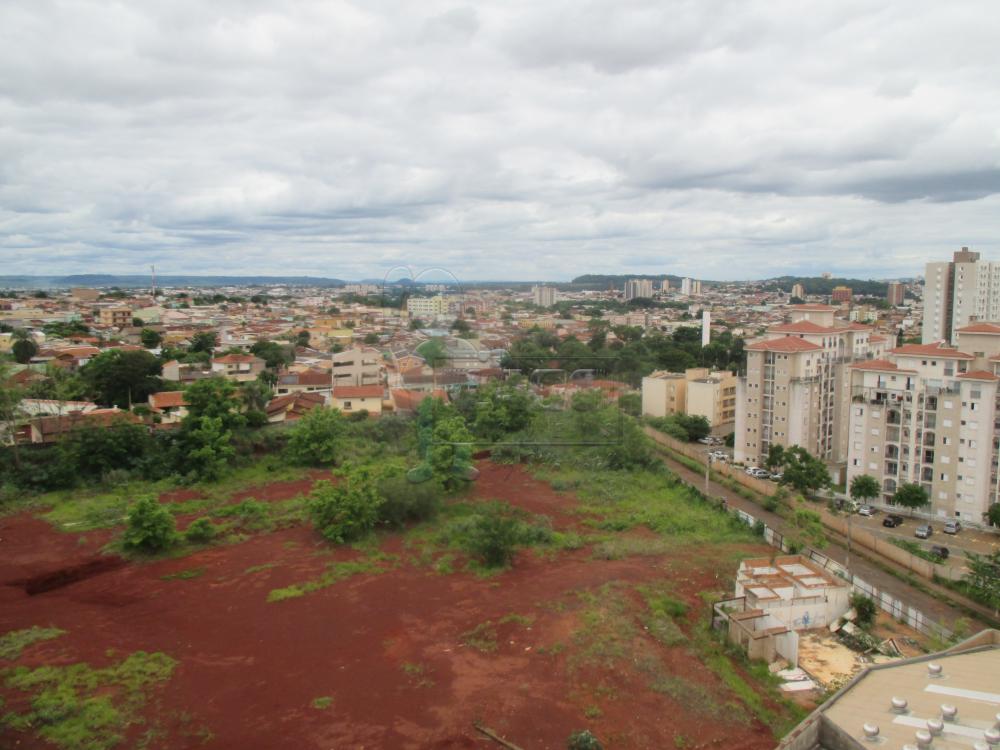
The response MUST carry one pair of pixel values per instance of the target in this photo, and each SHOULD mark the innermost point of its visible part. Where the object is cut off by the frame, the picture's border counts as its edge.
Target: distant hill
(603, 281)
(142, 282)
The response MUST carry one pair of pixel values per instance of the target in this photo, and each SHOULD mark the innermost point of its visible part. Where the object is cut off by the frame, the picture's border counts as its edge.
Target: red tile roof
(993, 328)
(937, 349)
(307, 377)
(979, 375)
(812, 307)
(167, 400)
(295, 404)
(788, 344)
(358, 391)
(803, 326)
(879, 364)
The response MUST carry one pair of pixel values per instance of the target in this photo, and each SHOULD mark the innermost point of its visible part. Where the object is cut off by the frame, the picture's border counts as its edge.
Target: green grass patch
(322, 702)
(78, 706)
(659, 618)
(261, 567)
(482, 638)
(334, 573)
(184, 575)
(14, 642)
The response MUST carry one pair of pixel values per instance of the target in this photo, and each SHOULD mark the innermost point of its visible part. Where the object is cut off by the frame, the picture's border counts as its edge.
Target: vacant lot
(394, 643)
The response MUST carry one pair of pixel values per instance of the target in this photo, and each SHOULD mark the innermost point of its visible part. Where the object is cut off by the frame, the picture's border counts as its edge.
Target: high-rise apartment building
(690, 287)
(796, 390)
(841, 294)
(799, 291)
(635, 288)
(895, 294)
(958, 293)
(927, 414)
(544, 296)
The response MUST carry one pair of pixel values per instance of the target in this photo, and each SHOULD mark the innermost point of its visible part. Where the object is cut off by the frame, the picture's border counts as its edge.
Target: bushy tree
(23, 350)
(10, 408)
(865, 608)
(347, 510)
(983, 577)
(121, 445)
(450, 454)
(864, 488)
(216, 398)
(775, 456)
(150, 527)
(121, 378)
(209, 447)
(993, 514)
(150, 338)
(204, 341)
(912, 496)
(803, 471)
(500, 410)
(275, 355)
(317, 438)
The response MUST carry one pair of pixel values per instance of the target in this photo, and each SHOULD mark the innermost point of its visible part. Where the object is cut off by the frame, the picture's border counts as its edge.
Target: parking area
(982, 542)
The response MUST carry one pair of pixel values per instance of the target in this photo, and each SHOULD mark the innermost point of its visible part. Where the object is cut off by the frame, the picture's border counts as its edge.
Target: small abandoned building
(776, 598)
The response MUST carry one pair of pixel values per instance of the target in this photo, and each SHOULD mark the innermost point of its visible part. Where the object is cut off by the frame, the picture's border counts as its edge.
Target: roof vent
(949, 712)
(899, 705)
(934, 670)
(992, 736)
(871, 732)
(923, 738)
(935, 726)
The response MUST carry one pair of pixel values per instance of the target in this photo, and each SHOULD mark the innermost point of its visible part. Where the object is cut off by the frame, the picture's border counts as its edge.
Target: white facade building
(957, 293)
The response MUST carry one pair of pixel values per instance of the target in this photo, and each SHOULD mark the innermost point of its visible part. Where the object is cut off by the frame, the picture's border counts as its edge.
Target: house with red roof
(356, 398)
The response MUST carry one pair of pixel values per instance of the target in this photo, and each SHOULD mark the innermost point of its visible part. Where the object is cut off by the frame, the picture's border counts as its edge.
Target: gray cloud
(505, 140)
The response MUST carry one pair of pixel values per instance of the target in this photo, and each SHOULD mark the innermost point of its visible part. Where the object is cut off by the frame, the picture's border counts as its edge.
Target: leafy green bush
(200, 531)
(865, 607)
(584, 740)
(405, 502)
(249, 515)
(346, 511)
(151, 527)
(494, 531)
(317, 438)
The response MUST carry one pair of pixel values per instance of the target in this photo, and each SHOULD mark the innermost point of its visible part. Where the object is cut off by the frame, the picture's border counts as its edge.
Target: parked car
(705, 441)
(760, 473)
(867, 510)
(940, 551)
(750, 470)
(952, 527)
(776, 476)
(924, 532)
(719, 456)
(892, 521)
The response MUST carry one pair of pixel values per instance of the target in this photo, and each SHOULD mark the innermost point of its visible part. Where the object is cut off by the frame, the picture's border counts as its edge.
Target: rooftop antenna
(152, 270)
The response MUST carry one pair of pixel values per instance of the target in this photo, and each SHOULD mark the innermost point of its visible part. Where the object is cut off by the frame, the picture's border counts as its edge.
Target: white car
(867, 510)
(719, 456)
(761, 473)
(751, 470)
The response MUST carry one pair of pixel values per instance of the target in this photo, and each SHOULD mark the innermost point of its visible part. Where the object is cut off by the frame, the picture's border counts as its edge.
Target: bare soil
(391, 650)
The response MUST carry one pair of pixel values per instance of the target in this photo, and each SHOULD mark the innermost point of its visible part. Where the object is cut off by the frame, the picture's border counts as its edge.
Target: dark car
(892, 521)
(940, 551)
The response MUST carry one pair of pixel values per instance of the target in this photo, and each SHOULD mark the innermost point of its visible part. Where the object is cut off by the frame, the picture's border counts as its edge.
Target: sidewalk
(860, 566)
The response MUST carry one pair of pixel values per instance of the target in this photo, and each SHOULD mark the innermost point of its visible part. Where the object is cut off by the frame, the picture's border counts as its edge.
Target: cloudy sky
(509, 140)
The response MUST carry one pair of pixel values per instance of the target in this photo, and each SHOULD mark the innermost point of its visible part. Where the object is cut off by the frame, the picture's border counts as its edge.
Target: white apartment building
(796, 390)
(957, 293)
(636, 288)
(927, 414)
(690, 287)
(543, 296)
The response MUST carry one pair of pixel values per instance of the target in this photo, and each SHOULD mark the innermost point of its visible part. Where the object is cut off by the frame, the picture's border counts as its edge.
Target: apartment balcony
(892, 434)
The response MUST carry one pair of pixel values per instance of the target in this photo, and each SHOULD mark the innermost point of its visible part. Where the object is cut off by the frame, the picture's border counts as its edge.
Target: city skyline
(517, 142)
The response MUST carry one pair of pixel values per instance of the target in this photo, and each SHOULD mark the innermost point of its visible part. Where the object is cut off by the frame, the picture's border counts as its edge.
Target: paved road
(967, 539)
(930, 606)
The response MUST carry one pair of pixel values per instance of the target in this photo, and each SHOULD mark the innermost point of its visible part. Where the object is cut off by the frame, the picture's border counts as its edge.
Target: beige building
(238, 367)
(945, 701)
(355, 398)
(797, 387)
(698, 391)
(957, 293)
(82, 294)
(115, 317)
(357, 367)
(926, 414)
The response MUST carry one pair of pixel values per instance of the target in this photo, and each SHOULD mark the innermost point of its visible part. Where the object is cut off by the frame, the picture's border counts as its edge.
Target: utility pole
(708, 467)
(848, 558)
(152, 270)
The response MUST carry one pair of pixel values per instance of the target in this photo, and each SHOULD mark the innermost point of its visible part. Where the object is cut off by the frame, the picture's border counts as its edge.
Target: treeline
(820, 285)
(632, 355)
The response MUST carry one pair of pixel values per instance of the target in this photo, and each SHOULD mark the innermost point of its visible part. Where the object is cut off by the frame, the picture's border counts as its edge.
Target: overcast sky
(507, 140)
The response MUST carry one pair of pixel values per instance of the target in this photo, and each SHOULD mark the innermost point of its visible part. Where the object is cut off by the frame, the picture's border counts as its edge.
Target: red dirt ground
(387, 648)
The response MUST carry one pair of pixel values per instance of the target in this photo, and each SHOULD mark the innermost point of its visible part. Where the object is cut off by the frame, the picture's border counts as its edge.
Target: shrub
(865, 607)
(584, 740)
(200, 531)
(346, 511)
(405, 502)
(317, 438)
(251, 514)
(495, 531)
(151, 527)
